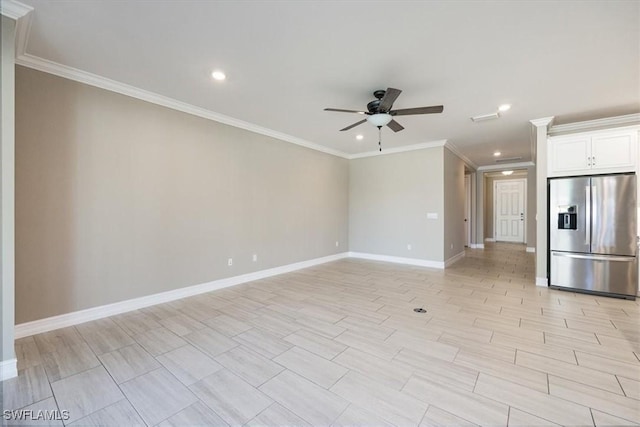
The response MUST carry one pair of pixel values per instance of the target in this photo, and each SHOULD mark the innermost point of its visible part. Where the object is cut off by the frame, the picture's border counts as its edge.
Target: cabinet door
(614, 152)
(569, 155)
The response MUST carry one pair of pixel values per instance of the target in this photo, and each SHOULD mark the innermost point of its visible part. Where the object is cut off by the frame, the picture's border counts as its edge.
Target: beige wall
(7, 26)
(454, 226)
(389, 198)
(118, 198)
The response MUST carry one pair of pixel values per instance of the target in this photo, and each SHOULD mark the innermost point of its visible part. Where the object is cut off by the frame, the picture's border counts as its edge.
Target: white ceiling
(287, 60)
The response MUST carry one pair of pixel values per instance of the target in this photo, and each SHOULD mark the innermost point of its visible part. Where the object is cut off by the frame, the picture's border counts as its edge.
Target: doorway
(509, 202)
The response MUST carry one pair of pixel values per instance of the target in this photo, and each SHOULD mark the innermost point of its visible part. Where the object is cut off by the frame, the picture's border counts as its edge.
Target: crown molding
(90, 79)
(14, 9)
(84, 77)
(404, 148)
(23, 28)
(70, 73)
(607, 122)
(455, 150)
(506, 166)
(545, 121)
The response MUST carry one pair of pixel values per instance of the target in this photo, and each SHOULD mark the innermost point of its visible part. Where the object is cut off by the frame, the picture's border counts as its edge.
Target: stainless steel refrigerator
(593, 234)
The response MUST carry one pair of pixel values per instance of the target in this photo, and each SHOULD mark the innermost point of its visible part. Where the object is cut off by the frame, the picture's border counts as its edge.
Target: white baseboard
(541, 281)
(455, 258)
(399, 260)
(489, 239)
(74, 318)
(531, 249)
(476, 245)
(8, 369)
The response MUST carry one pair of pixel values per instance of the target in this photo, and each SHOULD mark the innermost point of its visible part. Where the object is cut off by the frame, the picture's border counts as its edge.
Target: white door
(509, 209)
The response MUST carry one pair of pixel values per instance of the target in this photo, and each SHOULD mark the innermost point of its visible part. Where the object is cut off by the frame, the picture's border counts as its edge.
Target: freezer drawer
(596, 273)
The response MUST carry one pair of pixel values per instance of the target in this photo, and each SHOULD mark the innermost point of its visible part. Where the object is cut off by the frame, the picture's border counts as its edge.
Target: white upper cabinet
(569, 156)
(593, 153)
(614, 151)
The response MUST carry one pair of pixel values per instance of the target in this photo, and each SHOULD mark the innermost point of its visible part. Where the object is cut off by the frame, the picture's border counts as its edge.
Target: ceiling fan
(379, 112)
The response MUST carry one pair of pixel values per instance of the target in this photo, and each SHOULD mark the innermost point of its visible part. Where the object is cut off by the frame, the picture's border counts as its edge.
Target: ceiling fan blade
(395, 126)
(388, 99)
(340, 110)
(354, 125)
(419, 110)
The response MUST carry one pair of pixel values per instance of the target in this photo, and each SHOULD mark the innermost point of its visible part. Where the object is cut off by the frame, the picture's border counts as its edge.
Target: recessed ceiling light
(218, 75)
(504, 107)
(507, 172)
(497, 153)
(359, 137)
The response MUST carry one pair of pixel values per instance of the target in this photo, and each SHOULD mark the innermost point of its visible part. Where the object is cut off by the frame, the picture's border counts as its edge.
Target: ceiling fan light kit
(380, 119)
(379, 112)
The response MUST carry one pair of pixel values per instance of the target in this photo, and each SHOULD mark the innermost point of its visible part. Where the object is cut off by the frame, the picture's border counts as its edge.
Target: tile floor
(339, 344)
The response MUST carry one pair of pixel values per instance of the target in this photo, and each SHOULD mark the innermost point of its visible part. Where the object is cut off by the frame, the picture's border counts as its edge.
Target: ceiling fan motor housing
(373, 106)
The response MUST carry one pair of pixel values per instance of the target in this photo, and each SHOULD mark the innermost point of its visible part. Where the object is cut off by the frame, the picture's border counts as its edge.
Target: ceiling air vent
(508, 159)
(486, 117)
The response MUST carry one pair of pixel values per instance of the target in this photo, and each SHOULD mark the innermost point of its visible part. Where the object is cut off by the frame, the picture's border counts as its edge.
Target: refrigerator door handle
(595, 257)
(587, 215)
(594, 211)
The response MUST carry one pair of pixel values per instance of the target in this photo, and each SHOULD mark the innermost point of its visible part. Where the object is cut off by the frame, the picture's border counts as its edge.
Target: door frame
(495, 206)
(467, 210)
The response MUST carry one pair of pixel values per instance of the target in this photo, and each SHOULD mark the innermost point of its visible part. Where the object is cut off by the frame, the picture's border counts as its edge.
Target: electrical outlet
(255, 257)
(452, 246)
(230, 262)
(337, 243)
(408, 247)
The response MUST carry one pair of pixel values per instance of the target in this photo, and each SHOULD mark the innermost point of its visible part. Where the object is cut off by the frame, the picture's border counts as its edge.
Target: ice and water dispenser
(568, 217)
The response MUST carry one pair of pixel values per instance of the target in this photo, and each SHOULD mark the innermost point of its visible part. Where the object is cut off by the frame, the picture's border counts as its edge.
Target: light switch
(432, 215)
